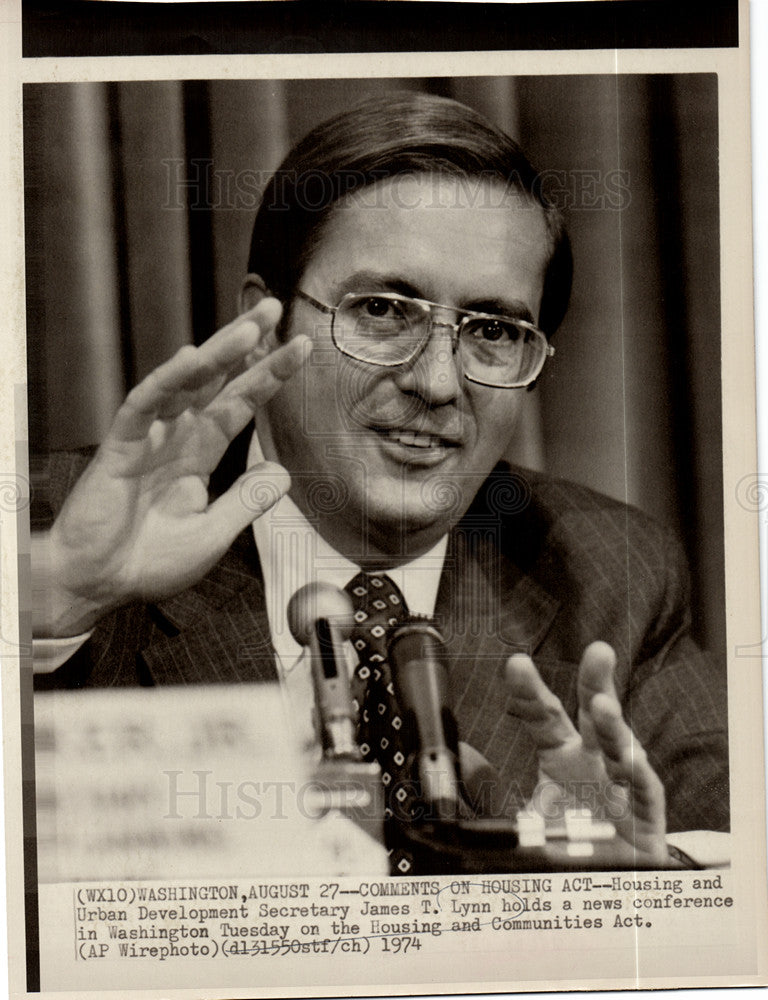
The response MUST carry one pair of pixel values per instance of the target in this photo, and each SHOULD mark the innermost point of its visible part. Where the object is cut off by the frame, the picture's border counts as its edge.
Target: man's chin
(412, 528)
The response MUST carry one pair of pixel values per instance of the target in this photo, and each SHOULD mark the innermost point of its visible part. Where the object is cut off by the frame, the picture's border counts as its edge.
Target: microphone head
(315, 601)
(418, 640)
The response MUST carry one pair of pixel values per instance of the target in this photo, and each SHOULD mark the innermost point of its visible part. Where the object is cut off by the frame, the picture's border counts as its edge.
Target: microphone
(320, 617)
(421, 682)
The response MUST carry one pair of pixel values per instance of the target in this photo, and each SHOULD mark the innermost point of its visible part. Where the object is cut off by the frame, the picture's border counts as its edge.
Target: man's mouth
(417, 439)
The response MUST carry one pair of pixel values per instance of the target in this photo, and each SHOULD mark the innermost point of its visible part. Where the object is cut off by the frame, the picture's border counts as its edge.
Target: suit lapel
(217, 631)
(489, 609)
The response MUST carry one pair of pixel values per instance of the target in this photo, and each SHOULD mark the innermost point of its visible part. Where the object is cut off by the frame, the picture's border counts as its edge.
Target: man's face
(411, 444)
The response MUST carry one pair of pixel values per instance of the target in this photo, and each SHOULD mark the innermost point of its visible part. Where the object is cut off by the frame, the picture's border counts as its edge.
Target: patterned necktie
(378, 604)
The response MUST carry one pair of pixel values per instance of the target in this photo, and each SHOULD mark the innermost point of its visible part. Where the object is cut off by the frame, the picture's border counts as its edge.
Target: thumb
(250, 496)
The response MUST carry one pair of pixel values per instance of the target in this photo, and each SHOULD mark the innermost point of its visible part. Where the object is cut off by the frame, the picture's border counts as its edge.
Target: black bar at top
(99, 28)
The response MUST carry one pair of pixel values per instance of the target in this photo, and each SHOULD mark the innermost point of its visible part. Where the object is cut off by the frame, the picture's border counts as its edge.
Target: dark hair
(381, 138)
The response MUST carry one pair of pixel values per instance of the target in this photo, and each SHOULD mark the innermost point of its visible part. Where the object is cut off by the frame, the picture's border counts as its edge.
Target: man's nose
(434, 374)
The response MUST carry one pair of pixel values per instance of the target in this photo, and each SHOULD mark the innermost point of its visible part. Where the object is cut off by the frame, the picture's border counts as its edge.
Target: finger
(537, 708)
(249, 497)
(238, 401)
(596, 672)
(482, 784)
(241, 344)
(169, 389)
(220, 359)
(245, 334)
(626, 761)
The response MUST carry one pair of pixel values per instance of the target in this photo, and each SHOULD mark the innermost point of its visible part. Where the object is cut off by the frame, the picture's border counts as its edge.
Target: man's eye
(379, 308)
(494, 330)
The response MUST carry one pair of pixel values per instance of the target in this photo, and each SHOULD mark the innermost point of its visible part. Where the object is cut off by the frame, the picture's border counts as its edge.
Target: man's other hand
(598, 763)
(138, 525)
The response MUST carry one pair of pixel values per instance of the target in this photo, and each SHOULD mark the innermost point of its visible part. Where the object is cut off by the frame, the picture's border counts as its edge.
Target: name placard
(175, 782)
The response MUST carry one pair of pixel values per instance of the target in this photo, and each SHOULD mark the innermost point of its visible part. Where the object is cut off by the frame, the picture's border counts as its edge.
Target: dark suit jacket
(536, 565)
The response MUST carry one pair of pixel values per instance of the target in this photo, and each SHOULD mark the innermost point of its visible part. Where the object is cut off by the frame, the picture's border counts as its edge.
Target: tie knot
(376, 596)
(377, 604)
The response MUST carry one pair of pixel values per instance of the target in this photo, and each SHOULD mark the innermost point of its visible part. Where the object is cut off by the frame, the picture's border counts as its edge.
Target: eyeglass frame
(466, 314)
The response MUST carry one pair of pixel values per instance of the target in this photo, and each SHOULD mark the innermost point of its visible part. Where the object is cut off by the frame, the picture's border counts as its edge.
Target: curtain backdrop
(140, 199)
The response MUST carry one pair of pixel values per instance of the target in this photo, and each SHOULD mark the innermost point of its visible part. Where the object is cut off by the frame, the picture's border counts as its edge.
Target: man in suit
(405, 276)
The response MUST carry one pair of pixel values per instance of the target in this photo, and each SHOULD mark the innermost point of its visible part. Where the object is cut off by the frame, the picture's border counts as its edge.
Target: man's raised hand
(598, 763)
(138, 524)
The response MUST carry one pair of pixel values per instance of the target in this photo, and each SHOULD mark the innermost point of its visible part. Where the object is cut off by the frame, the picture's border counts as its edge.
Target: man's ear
(252, 291)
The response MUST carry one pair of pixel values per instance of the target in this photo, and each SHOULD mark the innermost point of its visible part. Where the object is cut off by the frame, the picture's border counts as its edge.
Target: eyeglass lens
(389, 330)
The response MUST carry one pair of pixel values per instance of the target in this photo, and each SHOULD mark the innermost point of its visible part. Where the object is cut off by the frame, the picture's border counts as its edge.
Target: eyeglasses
(389, 329)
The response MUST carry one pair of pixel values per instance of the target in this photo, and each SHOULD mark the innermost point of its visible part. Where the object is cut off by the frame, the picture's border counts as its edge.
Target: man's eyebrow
(514, 308)
(374, 281)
